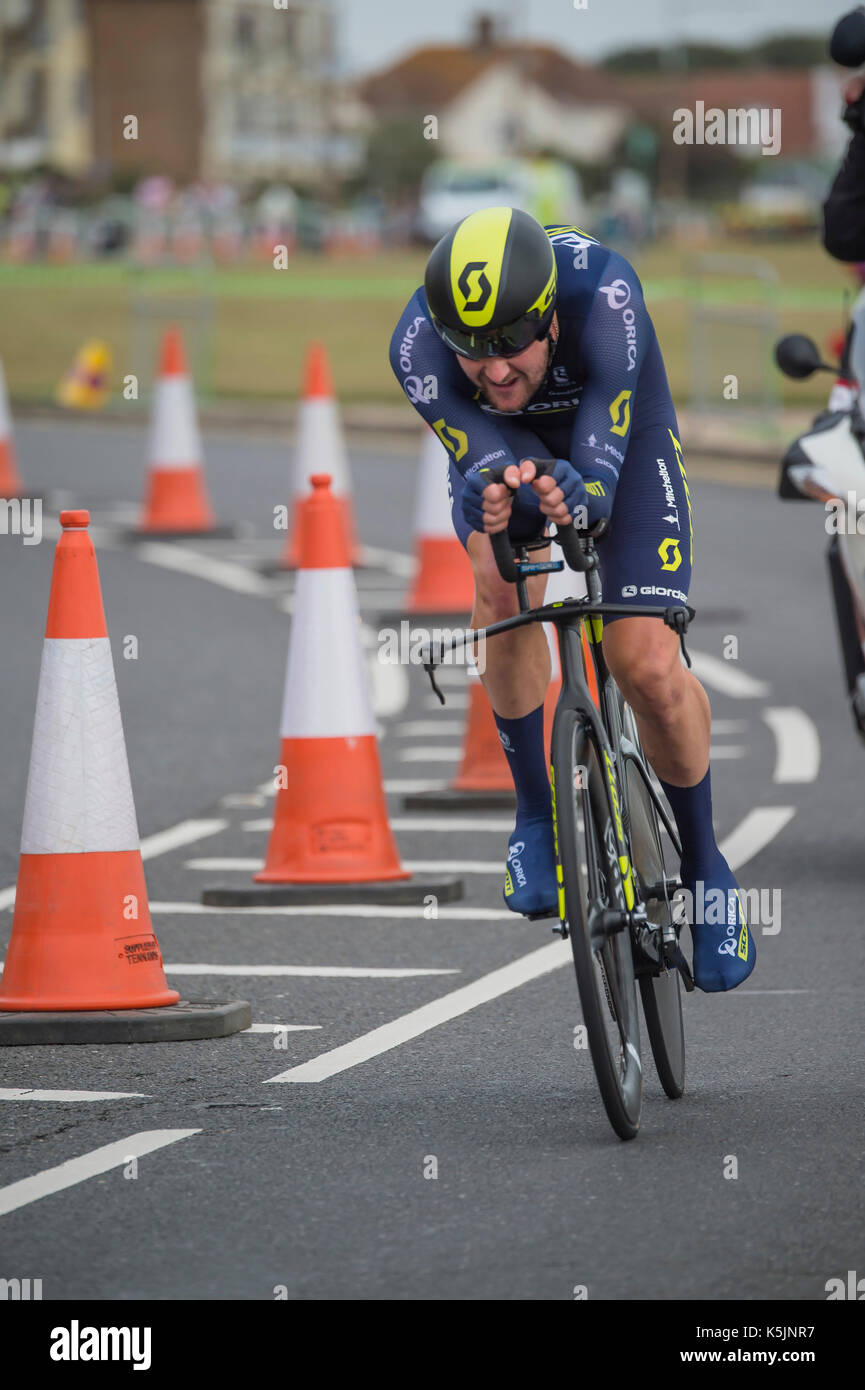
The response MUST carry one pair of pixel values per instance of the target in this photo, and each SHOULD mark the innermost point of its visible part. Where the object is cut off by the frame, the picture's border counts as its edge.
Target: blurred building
(493, 98)
(219, 89)
(44, 85)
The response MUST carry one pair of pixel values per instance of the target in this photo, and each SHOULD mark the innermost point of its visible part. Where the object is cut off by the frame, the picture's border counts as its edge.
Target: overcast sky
(375, 32)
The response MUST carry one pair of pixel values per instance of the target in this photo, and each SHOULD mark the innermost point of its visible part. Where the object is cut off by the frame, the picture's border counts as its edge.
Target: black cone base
(182, 1022)
(409, 891)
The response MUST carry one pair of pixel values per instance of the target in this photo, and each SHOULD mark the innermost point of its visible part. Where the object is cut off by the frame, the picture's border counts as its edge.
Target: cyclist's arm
(427, 372)
(613, 345)
(844, 208)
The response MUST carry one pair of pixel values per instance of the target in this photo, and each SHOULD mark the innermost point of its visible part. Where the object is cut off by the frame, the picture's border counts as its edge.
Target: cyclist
(527, 342)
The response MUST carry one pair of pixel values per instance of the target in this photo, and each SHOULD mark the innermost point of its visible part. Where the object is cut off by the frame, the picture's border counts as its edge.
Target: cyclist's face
(508, 383)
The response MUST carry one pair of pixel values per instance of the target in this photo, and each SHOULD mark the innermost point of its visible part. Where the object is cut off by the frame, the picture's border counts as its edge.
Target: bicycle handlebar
(568, 537)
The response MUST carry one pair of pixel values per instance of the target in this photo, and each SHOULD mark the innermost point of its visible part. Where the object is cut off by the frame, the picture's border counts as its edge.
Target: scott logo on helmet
(482, 286)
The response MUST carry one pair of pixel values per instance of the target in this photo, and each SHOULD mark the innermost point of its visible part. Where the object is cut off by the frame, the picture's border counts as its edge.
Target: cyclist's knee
(644, 660)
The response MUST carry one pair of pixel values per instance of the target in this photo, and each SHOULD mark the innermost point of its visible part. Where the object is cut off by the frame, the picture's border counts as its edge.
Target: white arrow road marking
(349, 972)
(726, 677)
(89, 1165)
(753, 833)
(17, 1094)
(421, 1020)
(797, 744)
(230, 576)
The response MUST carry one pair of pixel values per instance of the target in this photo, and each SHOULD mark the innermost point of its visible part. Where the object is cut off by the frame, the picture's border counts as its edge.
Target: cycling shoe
(530, 873)
(724, 950)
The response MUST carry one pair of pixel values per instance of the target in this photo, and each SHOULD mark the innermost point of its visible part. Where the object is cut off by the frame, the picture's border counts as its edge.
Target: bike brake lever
(429, 667)
(678, 619)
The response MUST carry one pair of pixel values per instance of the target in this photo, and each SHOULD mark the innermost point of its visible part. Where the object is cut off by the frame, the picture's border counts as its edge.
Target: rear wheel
(592, 887)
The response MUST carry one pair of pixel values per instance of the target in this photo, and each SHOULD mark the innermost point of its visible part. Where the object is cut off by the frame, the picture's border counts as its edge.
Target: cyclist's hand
(562, 493)
(487, 506)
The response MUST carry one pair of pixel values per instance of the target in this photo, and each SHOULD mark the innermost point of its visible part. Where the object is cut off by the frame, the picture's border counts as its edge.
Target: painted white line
(228, 865)
(415, 784)
(247, 799)
(186, 833)
(281, 1028)
(729, 726)
(424, 728)
(391, 560)
(443, 823)
(797, 744)
(452, 823)
(754, 833)
(17, 1094)
(348, 972)
(429, 755)
(414, 866)
(719, 751)
(229, 576)
(455, 700)
(89, 1165)
(451, 675)
(411, 1025)
(343, 910)
(726, 677)
(739, 993)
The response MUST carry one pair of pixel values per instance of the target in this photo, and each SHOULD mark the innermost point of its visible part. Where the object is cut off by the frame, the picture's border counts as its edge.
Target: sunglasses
(501, 342)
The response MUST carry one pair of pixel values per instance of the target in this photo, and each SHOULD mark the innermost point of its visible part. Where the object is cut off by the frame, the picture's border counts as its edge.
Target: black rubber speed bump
(186, 1021)
(407, 891)
(447, 799)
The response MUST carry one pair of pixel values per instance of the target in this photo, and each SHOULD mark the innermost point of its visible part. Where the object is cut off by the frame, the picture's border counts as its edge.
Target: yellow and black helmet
(491, 283)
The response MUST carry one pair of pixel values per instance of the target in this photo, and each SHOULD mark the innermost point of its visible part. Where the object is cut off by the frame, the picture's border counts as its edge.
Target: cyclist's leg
(516, 676)
(647, 560)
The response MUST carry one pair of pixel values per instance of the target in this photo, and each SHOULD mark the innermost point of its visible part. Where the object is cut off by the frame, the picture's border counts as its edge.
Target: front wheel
(591, 886)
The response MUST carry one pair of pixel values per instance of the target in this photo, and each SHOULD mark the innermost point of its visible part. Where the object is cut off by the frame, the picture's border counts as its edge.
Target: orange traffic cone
(176, 502)
(10, 483)
(331, 839)
(443, 582)
(82, 939)
(320, 448)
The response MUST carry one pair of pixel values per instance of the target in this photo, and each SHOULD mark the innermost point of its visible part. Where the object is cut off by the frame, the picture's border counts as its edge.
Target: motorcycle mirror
(798, 356)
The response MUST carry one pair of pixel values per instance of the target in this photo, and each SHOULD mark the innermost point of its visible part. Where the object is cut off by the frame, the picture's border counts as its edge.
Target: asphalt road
(323, 1188)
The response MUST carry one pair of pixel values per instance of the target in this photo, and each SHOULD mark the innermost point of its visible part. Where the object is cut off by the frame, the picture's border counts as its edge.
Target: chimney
(483, 35)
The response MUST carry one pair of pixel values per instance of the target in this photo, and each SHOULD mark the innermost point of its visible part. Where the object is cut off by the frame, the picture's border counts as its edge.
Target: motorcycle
(827, 464)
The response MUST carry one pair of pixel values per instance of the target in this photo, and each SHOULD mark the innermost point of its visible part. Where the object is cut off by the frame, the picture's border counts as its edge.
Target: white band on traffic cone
(174, 438)
(326, 683)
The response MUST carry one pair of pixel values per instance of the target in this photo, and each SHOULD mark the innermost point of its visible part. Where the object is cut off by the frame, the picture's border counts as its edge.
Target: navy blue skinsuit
(605, 405)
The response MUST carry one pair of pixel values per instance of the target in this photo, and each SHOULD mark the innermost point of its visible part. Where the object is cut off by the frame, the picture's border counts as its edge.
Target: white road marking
(797, 744)
(412, 1025)
(443, 823)
(394, 561)
(424, 728)
(229, 576)
(754, 833)
(415, 784)
(281, 1027)
(455, 700)
(719, 751)
(729, 726)
(342, 910)
(429, 755)
(414, 866)
(726, 677)
(451, 675)
(348, 972)
(186, 832)
(89, 1165)
(17, 1094)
